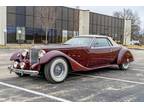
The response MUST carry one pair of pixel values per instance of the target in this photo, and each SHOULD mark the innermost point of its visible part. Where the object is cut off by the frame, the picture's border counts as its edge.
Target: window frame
(108, 41)
(83, 37)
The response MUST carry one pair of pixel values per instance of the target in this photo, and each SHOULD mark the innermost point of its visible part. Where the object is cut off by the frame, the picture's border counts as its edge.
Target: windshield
(79, 41)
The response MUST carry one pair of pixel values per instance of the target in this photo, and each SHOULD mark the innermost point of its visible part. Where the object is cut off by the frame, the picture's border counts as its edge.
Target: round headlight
(24, 52)
(22, 65)
(15, 64)
(41, 53)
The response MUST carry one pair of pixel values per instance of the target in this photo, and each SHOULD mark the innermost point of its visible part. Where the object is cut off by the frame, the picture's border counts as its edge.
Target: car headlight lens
(24, 52)
(15, 64)
(41, 53)
(22, 65)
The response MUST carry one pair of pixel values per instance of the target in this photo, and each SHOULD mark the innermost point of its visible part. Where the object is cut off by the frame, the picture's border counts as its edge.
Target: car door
(79, 55)
(100, 52)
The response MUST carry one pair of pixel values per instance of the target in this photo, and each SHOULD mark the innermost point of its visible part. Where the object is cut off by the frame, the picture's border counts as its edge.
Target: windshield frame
(92, 38)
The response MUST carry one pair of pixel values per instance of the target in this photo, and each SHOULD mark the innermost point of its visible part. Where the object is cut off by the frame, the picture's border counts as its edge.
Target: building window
(20, 10)
(11, 20)
(11, 34)
(29, 10)
(20, 20)
(11, 9)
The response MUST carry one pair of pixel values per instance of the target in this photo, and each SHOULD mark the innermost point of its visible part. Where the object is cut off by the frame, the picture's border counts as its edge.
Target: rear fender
(123, 55)
(52, 54)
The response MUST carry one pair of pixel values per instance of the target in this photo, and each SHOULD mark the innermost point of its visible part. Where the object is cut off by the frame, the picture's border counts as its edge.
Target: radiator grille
(34, 55)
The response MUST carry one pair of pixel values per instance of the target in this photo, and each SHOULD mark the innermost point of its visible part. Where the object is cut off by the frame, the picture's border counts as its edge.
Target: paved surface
(103, 85)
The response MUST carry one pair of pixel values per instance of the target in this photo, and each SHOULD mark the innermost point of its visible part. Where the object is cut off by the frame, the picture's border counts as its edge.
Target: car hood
(57, 46)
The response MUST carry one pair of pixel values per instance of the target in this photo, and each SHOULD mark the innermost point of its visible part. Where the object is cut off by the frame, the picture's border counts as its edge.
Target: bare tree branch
(133, 16)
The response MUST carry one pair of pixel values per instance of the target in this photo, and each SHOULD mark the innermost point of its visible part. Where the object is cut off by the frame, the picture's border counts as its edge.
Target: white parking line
(110, 78)
(138, 64)
(138, 67)
(34, 92)
(142, 70)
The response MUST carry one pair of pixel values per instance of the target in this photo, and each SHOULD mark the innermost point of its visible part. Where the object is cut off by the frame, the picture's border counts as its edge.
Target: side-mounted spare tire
(56, 70)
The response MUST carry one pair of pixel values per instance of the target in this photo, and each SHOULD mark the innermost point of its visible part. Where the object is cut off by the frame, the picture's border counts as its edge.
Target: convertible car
(82, 53)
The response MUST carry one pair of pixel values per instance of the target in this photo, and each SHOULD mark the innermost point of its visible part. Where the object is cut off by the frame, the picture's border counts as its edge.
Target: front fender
(123, 55)
(15, 56)
(52, 54)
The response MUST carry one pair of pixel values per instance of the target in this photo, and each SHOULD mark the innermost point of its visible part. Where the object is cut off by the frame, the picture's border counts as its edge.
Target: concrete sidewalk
(137, 47)
(17, 46)
(27, 46)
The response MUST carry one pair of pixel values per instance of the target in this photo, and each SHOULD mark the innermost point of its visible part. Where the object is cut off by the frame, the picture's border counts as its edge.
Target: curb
(137, 48)
(15, 47)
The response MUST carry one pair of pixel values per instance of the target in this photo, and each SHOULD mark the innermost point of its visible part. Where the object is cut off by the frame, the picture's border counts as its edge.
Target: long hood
(57, 46)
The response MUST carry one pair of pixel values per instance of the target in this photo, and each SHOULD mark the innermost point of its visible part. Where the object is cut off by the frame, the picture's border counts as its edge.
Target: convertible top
(93, 36)
(100, 36)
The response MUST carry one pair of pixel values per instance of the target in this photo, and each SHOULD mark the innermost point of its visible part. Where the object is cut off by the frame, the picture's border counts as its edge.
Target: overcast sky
(108, 10)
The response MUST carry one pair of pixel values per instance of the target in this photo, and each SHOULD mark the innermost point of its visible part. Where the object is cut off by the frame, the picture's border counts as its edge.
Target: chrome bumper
(30, 72)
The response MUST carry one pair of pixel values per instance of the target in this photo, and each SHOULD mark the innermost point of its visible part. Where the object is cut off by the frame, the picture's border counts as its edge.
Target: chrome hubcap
(125, 65)
(59, 69)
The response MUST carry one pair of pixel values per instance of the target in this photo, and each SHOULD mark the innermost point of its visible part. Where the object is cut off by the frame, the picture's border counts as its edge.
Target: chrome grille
(34, 55)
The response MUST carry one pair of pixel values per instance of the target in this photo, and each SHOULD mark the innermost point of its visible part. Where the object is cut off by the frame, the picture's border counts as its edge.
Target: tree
(48, 19)
(128, 14)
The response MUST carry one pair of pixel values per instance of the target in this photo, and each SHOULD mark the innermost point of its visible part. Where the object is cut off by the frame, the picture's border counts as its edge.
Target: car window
(101, 42)
(79, 41)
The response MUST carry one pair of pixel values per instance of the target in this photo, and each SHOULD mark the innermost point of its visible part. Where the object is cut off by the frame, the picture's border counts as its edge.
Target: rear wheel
(124, 66)
(56, 70)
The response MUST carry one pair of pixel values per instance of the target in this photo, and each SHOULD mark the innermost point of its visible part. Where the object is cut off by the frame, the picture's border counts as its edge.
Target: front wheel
(56, 70)
(124, 66)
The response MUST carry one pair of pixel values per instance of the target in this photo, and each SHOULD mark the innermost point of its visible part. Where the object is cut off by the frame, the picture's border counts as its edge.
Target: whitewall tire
(56, 70)
(124, 66)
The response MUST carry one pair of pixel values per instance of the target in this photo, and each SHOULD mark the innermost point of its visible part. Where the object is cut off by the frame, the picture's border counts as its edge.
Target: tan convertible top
(93, 36)
(102, 36)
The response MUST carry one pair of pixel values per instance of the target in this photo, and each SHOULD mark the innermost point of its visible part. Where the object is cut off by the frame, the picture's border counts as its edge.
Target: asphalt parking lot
(102, 85)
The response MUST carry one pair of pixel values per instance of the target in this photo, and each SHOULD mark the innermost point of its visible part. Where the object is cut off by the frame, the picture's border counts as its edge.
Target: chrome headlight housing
(15, 64)
(24, 52)
(41, 53)
(22, 65)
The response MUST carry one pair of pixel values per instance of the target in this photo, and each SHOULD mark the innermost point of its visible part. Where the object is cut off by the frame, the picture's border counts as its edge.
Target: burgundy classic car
(82, 53)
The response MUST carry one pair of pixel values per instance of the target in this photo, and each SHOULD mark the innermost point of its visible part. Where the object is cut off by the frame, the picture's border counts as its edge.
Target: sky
(108, 10)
